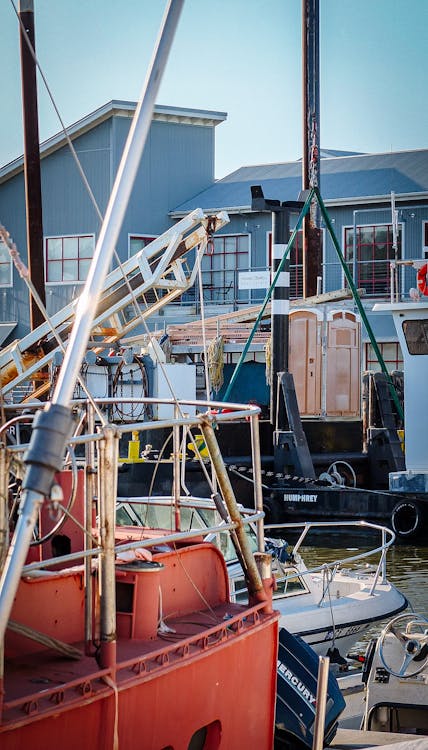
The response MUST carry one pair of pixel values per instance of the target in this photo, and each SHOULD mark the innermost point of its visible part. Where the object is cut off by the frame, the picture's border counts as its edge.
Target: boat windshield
(156, 515)
(291, 584)
(416, 335)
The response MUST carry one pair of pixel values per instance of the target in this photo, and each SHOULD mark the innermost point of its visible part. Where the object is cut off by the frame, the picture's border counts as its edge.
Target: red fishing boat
(120, 646)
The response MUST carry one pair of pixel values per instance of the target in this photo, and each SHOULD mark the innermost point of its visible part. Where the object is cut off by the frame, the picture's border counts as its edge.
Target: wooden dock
(357, 739)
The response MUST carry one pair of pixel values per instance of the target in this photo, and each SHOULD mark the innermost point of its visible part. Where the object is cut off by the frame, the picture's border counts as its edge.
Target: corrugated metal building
(178, 162)
(176, 176)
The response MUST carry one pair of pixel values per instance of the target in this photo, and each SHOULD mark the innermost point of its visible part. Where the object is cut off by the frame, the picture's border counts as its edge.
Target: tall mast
(312, 257)
(53, 426)
(33, 190)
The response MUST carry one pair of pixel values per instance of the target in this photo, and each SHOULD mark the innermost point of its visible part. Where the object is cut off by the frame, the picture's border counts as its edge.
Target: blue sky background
(238, 56)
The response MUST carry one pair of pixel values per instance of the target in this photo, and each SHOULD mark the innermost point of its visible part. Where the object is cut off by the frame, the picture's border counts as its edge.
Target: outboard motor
(297, 674)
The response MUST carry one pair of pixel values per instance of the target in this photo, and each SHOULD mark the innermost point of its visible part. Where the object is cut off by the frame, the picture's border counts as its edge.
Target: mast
(312, 256)
(33, 189)
(53, 426)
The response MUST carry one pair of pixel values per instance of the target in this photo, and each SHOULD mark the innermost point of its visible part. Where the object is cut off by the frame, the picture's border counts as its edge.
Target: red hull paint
(217, 670)
(165, 710)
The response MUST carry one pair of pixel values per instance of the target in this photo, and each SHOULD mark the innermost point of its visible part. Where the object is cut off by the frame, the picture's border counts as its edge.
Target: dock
(357, 739)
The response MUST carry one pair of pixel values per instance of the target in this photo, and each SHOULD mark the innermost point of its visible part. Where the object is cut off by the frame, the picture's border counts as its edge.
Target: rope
(108, 680)
(49, 641)
(268, 357)
(215, 355)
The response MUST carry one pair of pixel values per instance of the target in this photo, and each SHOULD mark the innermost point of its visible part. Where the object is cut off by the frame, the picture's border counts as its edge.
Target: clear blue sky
(238, 56)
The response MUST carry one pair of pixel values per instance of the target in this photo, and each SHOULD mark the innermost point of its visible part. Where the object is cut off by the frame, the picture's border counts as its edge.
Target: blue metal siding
(177, 161)
(14, 301)
(67, 207)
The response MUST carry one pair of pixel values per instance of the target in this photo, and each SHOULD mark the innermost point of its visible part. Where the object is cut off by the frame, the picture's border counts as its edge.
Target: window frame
(360, 282)
(146, 237)
(425, 239)
(9, 284)
(65, 282)
(224, 272)
(392, 363)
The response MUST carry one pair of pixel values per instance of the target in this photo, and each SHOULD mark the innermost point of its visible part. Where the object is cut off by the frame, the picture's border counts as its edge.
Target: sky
(242, 57)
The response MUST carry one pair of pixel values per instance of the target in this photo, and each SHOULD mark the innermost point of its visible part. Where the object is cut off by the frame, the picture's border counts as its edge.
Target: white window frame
(424, 246)
(73, 282)
(401, 225)
(8, 284)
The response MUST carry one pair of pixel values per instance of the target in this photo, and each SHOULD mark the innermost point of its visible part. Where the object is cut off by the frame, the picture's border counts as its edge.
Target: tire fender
(406, 519)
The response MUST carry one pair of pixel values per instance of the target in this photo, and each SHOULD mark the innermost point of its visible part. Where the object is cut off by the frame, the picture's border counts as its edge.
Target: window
(425, 239)
(225, 257)
(68, 258)
(374, 253)
(391, 353)
(296, 264)
(416, 335)
(136, 242)
(5, 266)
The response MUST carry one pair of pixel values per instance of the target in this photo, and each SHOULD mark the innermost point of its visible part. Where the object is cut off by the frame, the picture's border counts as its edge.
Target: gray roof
(351, 179)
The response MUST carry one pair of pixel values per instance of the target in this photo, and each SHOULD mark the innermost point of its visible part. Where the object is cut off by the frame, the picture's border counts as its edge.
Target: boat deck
(34, 682)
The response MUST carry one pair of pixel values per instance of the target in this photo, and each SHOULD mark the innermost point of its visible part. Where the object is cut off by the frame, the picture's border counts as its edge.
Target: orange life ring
(422, 280)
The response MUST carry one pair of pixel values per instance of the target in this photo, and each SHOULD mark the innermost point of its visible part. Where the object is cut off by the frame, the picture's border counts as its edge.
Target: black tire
(406, 519)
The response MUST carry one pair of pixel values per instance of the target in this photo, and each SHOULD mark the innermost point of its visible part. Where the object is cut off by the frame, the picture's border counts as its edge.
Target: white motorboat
(396, 677)
(330, 606)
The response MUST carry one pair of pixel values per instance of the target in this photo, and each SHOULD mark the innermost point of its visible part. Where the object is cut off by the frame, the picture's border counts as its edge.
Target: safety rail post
(257, 476)
(322, 683)
(89, 500)
(255, 583)
(107, 483)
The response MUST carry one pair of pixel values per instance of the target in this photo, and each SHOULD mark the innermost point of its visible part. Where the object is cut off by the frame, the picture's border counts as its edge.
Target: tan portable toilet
(305, 358)
(342, 384)
(325, 359)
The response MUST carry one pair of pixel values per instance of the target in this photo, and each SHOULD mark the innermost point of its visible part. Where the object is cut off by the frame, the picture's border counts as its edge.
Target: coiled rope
(215, 361)
(268, 358)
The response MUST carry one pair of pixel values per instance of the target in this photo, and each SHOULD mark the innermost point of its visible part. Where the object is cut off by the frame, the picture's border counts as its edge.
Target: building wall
(14, 300)
(178, 161)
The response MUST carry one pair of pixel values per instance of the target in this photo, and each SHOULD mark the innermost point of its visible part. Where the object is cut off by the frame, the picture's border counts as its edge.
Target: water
(407, 569)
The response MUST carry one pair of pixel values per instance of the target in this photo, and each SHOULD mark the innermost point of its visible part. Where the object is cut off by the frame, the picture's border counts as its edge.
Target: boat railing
(169, 538)
(330, 569)
(93, 433)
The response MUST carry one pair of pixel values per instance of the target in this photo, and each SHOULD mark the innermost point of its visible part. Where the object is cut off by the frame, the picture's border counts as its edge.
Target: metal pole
(255, 584)
(176, 467)
(32, 178)
(280, 307)
(107, 483)
(115, 212)
(89, 499)
(257, 477)
(323, 667)
(312, 265)
(54, 424)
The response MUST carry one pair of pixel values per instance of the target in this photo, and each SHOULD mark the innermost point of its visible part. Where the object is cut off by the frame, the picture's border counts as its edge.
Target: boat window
(123, 518)
(239, 591)
(416, 335)
(225, 543)
(290, 585)
(158, 516)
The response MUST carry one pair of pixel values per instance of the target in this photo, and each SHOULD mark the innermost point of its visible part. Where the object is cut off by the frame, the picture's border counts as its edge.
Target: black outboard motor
(296, 695)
